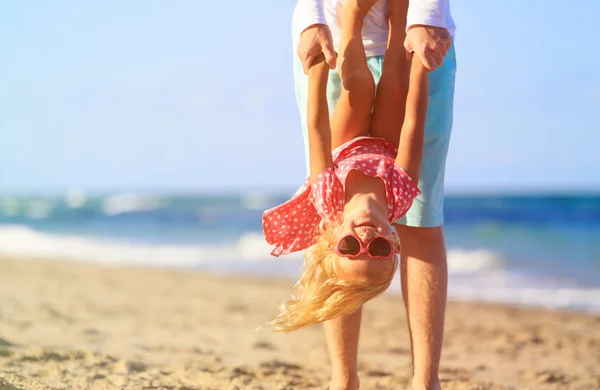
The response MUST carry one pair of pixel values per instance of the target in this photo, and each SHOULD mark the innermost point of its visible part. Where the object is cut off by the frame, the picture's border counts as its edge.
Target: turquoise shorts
(427, 209)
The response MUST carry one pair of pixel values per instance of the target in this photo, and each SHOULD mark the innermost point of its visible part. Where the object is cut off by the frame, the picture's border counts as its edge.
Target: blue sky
(198, 96)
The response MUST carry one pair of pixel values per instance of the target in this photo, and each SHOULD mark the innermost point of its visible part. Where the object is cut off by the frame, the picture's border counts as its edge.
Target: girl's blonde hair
(320, 295)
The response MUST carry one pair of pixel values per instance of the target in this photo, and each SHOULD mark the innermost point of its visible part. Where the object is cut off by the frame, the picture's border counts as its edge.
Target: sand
(86, 326)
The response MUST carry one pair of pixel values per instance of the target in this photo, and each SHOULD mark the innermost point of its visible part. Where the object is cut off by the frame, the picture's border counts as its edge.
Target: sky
(191, 95)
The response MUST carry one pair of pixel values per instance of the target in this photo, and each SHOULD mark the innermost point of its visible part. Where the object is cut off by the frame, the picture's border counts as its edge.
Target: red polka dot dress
(292, 225)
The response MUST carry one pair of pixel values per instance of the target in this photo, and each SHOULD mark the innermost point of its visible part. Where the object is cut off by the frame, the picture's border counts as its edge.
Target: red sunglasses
(378, 247)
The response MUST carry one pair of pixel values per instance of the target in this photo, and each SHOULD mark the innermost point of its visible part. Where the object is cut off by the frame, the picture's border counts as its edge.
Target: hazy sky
(198, 95)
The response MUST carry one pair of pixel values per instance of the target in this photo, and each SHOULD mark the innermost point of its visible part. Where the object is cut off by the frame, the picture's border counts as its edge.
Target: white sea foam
(462, 261)
(33, 209)
(587, 299)
(483, 270)
(10, 206)
(39, 209)
(75, 198)
(256, 201)
(25, 241)
(130, 202)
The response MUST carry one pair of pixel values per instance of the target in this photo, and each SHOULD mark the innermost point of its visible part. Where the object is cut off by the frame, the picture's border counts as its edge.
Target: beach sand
(86, 326)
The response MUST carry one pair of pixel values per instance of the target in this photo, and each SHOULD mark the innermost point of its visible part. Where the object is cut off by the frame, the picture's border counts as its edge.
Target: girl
(344, 211)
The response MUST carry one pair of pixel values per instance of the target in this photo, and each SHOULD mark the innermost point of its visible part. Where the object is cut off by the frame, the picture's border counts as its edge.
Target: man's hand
(429, 43)
(315, 40)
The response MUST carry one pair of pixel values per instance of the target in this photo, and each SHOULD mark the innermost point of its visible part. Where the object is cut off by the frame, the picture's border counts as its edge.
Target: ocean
(523, 250)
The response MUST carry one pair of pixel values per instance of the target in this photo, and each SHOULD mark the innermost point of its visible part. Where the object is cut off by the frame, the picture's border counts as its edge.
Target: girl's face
(366, 225)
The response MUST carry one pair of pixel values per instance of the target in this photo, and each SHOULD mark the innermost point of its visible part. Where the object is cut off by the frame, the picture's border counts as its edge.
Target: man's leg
(424, 278)
(423, 267)
(341, 333)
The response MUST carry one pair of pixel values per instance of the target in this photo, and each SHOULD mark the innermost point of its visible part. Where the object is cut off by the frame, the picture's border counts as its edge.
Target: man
(316, 29)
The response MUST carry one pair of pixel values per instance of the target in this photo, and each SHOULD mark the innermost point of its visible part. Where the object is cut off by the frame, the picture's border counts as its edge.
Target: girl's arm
(410, 147)
(319, 131)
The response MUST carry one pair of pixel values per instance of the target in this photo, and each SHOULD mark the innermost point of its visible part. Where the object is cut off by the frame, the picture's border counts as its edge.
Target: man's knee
(423, 243)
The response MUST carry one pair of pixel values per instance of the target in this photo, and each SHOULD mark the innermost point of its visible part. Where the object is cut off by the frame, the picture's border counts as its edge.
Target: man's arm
(311, 33)
(426, 13)
(427, 33)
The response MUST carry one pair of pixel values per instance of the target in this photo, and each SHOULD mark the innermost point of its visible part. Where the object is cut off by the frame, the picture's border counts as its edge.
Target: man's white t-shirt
(375, 27)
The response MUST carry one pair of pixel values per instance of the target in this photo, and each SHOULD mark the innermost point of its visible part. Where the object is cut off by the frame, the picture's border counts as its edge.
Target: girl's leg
(352, 114)
(390, 102)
